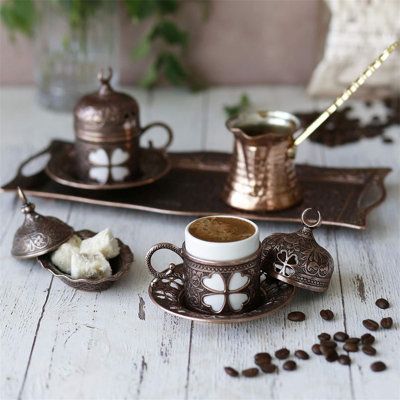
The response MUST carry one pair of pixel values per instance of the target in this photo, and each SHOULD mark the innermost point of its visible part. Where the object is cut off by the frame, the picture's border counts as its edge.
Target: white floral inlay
(285, 263)
(222, 294)
(105, 166)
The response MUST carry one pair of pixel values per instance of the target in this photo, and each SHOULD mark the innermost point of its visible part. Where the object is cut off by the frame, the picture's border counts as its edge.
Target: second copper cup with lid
(107, 129)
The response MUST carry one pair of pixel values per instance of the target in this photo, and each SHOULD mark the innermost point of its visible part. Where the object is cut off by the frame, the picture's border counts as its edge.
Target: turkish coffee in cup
(222, 264)
(221, 229)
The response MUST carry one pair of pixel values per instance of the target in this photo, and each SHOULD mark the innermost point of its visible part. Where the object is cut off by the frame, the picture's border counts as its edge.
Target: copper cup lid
(106, 115)
(38, 234)
(296, 258)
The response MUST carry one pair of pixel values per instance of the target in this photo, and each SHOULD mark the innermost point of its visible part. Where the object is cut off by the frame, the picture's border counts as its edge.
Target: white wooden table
(59, 343)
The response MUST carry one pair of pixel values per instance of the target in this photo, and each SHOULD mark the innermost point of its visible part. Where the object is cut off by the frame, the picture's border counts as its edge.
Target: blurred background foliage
(163, 44)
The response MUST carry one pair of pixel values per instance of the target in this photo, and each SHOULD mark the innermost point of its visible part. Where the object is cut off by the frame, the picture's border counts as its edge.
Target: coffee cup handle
(159, 246)
(162, 125)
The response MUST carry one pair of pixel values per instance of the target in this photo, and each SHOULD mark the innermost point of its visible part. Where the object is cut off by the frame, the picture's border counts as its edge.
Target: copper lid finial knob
(105, 80)
(27, 207)
(308, 222)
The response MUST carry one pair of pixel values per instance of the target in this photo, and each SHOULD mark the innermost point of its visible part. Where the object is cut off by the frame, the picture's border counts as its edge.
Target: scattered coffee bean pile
(344, 127)
(327, 346)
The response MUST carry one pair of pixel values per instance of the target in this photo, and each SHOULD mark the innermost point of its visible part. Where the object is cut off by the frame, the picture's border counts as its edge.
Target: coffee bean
(378, 366)
(382, 303)
(231, 371)
(344, 360)
(326, 350)
(327, 315)
(329, 343)
(303, 355)
(368, 350)
(332, 356)
(386, 323)
(324, 336)
(250, 372)
(355, 340)
(387, 139)
(282, 354)
(262, 358)
(370, 324)
(350, 347)
(367, 338)
(289, 365)
(268, 368)
(340, 336)
(297, 316)
(316, 349)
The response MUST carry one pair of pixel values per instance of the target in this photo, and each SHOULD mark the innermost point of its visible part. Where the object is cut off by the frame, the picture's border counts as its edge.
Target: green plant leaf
(235, 109)
(169, 32)
(143, 48)
(172, 68)
(151, 76)
(167, 6)
(139, 10)
(19, 16)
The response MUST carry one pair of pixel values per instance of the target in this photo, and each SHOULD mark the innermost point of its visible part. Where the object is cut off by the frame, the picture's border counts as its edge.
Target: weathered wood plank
(116, 344)
(237, 344)
(113, 344)
(369, 264)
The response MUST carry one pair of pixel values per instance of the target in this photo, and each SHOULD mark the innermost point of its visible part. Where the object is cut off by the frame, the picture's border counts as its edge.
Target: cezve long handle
(345, 95)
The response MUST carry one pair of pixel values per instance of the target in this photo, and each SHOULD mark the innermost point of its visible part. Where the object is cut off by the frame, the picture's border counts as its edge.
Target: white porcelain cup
(222, 251)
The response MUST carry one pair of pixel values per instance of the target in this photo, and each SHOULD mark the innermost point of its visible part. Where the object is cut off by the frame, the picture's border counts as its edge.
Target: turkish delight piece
(104, 242)
(61, 258)
(91, 266)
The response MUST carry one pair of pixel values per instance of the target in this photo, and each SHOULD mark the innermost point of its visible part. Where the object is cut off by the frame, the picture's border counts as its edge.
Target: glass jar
(71, 46)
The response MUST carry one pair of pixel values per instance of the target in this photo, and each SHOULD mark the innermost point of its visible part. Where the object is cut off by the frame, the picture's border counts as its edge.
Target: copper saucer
(154, 164)
(119, 265)
(167, 293)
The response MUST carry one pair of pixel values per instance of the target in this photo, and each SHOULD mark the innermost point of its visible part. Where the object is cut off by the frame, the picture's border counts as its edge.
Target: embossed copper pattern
(262, 176)
(106, 115)
(197, 273)
(344, 196)
(296, 258)
(119, 265)
(154, 164)
(107, 131)
(168, 294)
(38, 234)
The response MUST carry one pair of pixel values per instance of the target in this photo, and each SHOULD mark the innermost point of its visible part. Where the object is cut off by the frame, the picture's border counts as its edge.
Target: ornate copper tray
(344, 196)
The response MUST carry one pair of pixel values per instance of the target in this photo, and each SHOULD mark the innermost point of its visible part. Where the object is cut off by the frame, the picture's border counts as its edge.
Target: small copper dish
(167, 293)
(119, 265)
(154, 164)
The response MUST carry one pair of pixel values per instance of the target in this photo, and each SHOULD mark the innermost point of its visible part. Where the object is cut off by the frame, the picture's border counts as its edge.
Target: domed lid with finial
(38, 234)
(296, 258)
(106, 115)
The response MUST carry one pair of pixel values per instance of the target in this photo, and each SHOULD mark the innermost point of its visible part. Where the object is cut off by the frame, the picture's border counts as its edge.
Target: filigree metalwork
(296, 258)
(168, 294)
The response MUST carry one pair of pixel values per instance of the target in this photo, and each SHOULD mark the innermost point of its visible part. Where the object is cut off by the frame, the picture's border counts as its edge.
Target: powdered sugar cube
(61, 258)
(104, 242)
(92, 266)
